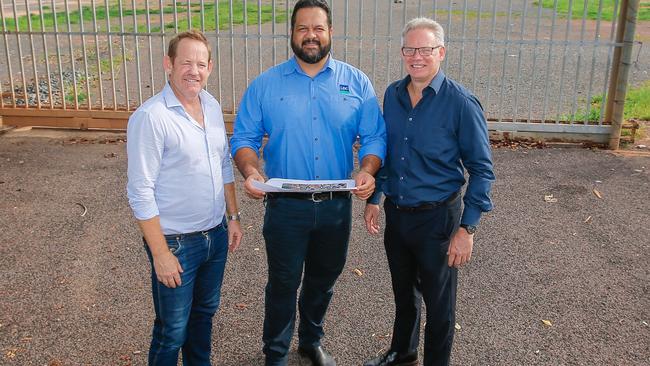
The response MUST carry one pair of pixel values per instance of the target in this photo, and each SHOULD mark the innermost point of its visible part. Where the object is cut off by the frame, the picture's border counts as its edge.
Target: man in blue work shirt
(435, 128)
(182, 193)
(312, 108)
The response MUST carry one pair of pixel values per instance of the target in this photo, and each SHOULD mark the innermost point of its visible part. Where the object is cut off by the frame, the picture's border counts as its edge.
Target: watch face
(469, 228)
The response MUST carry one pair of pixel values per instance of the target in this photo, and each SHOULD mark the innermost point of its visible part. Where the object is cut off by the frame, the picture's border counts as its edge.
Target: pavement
(559, 274)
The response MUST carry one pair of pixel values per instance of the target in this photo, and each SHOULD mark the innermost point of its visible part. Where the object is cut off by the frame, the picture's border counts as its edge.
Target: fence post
(627, 20)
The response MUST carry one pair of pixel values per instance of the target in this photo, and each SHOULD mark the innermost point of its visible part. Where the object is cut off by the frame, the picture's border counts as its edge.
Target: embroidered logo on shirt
(344, 89)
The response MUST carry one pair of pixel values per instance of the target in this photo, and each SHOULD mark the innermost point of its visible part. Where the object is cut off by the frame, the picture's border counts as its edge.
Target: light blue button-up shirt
(311, 123)
(176, 168)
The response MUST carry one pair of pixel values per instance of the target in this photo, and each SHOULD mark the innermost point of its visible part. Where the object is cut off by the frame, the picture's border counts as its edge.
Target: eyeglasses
(423, 51)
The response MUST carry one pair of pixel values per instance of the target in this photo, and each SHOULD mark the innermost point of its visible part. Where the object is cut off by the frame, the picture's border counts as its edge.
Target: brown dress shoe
(392, 358)
(317, 355)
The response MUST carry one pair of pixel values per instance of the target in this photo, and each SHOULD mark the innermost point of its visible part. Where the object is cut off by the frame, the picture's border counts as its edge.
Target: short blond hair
(425, 23)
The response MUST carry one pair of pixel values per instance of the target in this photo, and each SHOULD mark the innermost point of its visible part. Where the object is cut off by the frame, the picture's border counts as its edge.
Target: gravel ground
(75, 287)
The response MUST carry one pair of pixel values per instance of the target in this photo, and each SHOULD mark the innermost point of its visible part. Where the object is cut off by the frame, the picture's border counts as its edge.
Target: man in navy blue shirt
(436, 130)
(312, 107)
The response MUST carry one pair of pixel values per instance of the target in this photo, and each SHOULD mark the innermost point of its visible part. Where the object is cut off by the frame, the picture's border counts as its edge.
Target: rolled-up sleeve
(145, 146)
(477, 159)
(372, 128)
(249, 127)
(226, 165)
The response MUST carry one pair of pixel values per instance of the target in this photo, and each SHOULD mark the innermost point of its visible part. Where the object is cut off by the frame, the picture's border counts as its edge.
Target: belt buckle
(314, 199)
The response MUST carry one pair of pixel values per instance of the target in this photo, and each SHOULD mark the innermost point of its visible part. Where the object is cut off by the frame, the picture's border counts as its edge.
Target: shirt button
(313, 98)
(406, 138)
(410, 119)
(401, 178)
(314, 118)
(401, 197)
(402, 158)
(318, 176)
(315, 138)
(317, 158)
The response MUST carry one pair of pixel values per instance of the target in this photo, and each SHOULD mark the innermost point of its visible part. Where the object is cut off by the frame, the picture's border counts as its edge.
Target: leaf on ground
(598, 194)
(358, 272)
(549, 198)
(241, 306)
(547, 322)
(587, 219)
(55, 363)
(457, 326)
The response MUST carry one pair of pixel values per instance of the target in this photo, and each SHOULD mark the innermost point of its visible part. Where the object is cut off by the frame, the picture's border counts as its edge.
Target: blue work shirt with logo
(431, 145)
(311, 123)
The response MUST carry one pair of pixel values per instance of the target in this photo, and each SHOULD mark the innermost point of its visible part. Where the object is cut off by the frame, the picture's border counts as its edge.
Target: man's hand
(460, 248)
(371, 215)
(251, 191)
(365, 185)
(168, 270)
(234, 235)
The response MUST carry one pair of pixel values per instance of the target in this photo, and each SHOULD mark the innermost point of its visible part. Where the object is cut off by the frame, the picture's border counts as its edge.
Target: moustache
(312, 41)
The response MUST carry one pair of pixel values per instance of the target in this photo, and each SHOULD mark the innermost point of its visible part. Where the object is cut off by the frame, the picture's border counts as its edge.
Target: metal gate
(537, 66)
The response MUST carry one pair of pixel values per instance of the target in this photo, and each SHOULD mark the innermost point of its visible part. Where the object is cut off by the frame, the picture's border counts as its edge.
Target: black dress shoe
(317, 355)
(391, 358)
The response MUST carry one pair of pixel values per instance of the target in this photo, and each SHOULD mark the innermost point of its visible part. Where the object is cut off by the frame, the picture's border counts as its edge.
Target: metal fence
(531, 63)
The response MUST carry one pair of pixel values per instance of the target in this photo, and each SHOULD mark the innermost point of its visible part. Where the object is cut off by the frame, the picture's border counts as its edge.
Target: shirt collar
(172, 101)
(292, 66)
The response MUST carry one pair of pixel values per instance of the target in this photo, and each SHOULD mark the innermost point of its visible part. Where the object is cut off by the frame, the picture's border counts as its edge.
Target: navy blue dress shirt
(431, 143)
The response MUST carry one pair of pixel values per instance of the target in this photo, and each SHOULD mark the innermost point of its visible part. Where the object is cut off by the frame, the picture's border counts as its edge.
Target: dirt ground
(75, 284)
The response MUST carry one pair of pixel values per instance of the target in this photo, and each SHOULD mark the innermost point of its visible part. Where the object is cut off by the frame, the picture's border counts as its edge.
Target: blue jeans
(184, 314)
(301, 234)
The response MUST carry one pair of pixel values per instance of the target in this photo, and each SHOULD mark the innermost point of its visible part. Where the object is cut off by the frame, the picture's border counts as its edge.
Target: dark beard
(323, 51)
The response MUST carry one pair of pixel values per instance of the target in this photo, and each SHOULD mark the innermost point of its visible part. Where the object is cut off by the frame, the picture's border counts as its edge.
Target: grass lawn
(577, 8)
(209, 11)
(637, 105)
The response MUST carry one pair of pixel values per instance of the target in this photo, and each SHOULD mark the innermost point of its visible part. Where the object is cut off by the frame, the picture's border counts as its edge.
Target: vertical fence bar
(124, 57)
(152, 83)
(33, 55)
(46, 53)
(522, 30)
(20, 55)
(611, 53)
(579, 62)
(534, 69)
(217, 30)
(491, 53)
(98, 55)
(505, 60)
(548, 60)
(6, 42)
(287, 43)
(593, 61)
(462, 42)
(389, 41)
(259, 37)
(72, 64)
(273, 32)
(189, 15)
(245, 12)
(360, 30)
(110, 52)
(162, 34)
(232, 57)
(175, 15)
(85, 54)
(138, 73)
(448, 30)
(202, 15)
(477, 45)
(58, 55)
(345, 30)
(374, 44)
(564, 57)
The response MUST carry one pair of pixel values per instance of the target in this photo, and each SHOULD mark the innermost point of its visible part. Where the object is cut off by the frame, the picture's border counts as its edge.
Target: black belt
(314, 197)
(424, 206)
(181, 236)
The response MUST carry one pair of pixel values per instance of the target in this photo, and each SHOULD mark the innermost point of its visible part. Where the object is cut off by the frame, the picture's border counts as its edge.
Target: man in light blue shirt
(312, 108)
(180, 187)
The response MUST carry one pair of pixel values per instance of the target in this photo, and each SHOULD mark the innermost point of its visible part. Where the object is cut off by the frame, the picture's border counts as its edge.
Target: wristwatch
(471, 229)
(235, 217)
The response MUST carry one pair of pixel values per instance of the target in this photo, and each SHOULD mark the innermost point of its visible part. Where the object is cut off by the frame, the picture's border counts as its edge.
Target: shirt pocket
(435, 143)
(284, 112)
(343, 112)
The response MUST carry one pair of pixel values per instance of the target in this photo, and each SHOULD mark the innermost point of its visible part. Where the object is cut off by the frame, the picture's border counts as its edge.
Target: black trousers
(416, 246)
